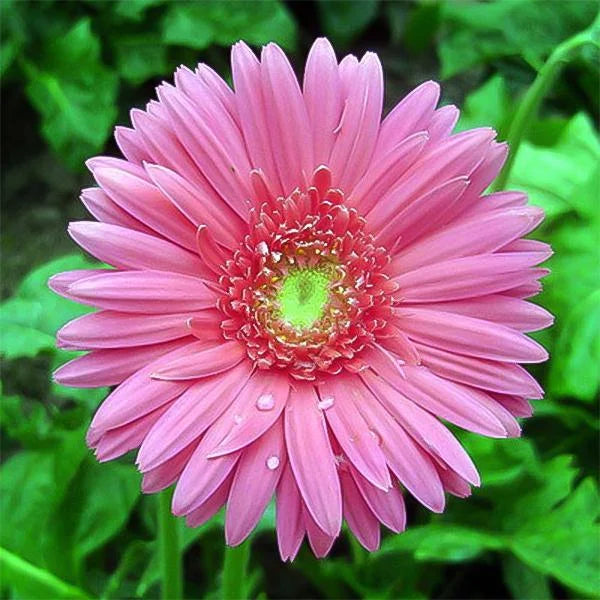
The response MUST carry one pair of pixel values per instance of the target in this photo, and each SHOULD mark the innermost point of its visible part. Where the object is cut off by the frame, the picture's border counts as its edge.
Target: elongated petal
(323, 98)
(306, 437)
(191, 415)
(477, 372)
(357, 132)
(111, 366)
(357, 441)
(387, 506)
(469, 336)
(256, 477)
(129, 249)
(358, 515)
(412, 465)
(147, 204)
(425, 429)
(290, 524)
(265, 397)
(152, 292)
(109, 329)
(288, 119)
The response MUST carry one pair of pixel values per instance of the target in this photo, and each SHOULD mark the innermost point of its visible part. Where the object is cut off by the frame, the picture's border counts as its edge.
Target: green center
(303, 296)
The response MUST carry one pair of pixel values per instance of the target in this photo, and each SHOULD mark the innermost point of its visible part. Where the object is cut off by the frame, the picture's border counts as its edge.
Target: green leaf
(523, 582)
(30, 581)
(558, 178)
(565, 542)
(140, 57)
(199, 24)
(480, 32)
(344, 20)
(134, 9)
(32, 316)
(574, 372)
(24, 421)
(32, 485)
(487, 106)
(74, 93)
(447, 542)
(87, 517)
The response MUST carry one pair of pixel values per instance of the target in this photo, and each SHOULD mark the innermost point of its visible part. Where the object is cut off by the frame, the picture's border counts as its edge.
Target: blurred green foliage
(72, 528)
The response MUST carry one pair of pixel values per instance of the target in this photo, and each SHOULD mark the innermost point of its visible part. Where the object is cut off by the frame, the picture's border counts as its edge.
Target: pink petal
(118, 441)
(495, 376)
(152, 292)
(191, 415)
(260, 405)
(256, 477)
(202, 476)
(448, 401)
(442, 122)
(109, 329)
(477, 235)
(167, 473)
(254, 116)
(470, 336)
(413, 113)
(320, 542)
(61, 282)
(517, 406)
(288, 119)
(290, 524)
(387, 506)
(224, 164)
(211, 506)
(323, 98)
(424, 428)
(147, 204)
(131, 145)
(384, 173)
(199, 205)
(104, 209)
(359, 127)
(412, 466)
(351, 431)
(512, 312)
(306, 437)
(140, 394)
(359, 517)
(467, 277)
(207, 361)
(163, 146)
(129, 249)
(418, 217)
(111, 367)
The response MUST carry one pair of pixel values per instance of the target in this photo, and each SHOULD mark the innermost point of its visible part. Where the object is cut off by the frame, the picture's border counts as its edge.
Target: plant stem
(528, 107)
(234, 571)
(169, 549)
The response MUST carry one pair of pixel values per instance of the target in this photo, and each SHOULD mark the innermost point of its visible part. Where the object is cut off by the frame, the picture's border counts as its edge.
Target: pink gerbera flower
(301, 292)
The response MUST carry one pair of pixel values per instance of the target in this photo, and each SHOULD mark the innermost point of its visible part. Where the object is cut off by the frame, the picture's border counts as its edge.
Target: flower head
(300, 292)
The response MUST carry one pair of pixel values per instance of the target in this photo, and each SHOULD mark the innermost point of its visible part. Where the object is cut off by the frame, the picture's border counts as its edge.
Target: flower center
(306, 290)
(303, 296)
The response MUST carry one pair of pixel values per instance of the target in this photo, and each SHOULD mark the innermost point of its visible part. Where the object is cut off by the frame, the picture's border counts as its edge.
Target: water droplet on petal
(238, 419)
(272, 462)
(265, 402)
(262, 248)
(326, 403)
(375, 436)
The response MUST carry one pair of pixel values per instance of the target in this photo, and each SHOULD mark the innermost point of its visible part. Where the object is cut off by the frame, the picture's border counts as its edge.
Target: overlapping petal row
(223, 193)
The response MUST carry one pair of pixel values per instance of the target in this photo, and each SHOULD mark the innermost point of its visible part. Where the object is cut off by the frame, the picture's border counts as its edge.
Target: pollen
(303, 297)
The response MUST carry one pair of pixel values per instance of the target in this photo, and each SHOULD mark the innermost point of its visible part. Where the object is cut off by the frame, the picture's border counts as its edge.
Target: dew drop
(272, 462)
(238, 419)
(326, 403)
(265, 402)
(262, 248)
(375, 436)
